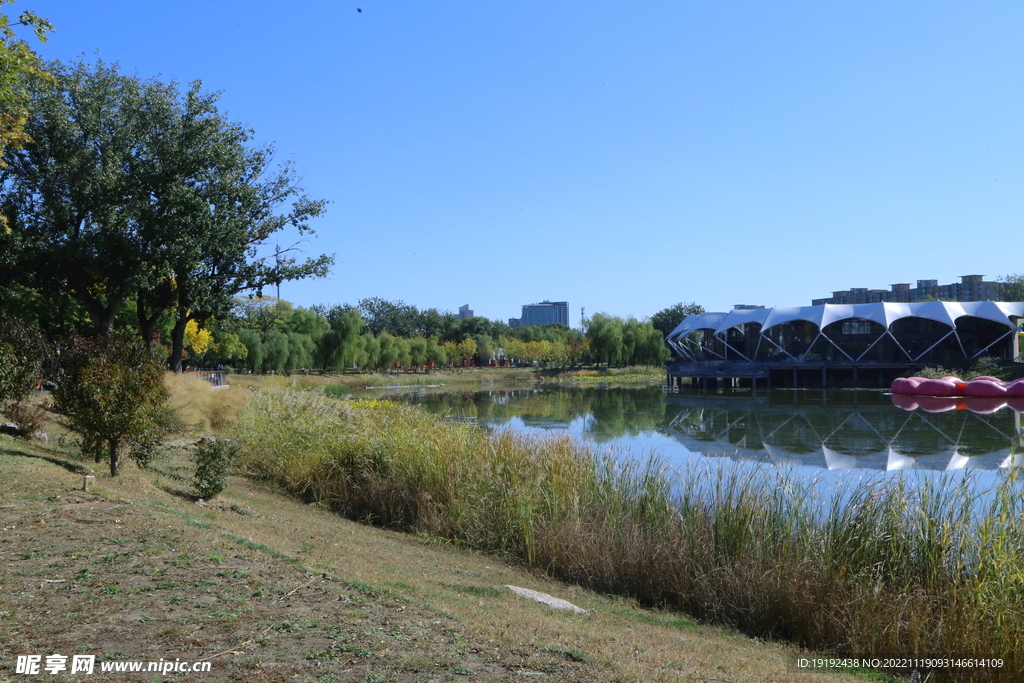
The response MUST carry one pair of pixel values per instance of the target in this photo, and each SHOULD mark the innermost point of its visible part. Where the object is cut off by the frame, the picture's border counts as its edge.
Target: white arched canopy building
(925, 333)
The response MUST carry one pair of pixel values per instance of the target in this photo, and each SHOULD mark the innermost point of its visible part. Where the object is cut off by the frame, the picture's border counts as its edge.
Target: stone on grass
(549, 600)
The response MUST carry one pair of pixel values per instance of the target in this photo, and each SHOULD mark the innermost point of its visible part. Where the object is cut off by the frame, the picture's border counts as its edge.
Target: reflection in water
(839, 430)
(854, 430)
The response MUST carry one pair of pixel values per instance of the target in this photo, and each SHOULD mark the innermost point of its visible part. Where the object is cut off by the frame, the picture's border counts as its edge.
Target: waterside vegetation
(270, 590)
(866, 569)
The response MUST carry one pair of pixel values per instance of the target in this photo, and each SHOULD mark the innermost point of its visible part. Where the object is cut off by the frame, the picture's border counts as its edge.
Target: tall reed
(888, 567)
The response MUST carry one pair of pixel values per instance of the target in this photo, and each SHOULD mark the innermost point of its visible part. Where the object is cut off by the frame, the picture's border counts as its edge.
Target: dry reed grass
(197, 406)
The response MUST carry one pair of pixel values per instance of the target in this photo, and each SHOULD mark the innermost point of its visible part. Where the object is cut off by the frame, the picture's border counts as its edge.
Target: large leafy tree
(67, 194)
(134, 191)
(394, 317)
(669, 318)
(22, 351)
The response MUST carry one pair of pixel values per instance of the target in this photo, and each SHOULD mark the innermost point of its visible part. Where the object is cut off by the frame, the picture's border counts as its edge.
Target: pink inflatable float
(954, 387)
(939, 404)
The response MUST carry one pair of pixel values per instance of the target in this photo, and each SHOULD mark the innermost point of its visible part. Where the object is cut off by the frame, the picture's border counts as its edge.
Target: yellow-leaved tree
(197, 339)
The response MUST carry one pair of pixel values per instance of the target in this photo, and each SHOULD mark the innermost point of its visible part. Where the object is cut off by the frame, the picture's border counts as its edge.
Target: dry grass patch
(198, 406)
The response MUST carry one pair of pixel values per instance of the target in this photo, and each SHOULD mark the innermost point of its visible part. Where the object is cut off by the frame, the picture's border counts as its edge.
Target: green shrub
(112, 392)
(22, 351)
(212, 459)
(986, 365)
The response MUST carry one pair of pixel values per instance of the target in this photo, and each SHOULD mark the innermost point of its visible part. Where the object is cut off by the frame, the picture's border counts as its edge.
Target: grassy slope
(273, 590)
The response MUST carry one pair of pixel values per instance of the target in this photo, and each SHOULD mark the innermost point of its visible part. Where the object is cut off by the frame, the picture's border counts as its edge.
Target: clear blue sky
(623, 156)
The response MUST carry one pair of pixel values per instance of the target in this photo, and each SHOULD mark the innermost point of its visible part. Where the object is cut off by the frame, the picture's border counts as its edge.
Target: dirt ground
(265, 589)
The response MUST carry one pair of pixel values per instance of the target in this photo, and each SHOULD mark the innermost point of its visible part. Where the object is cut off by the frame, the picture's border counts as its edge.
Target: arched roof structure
(704, 336)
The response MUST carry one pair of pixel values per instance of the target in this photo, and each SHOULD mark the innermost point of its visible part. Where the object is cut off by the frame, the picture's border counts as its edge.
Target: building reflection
(835, 430)
(855, 431)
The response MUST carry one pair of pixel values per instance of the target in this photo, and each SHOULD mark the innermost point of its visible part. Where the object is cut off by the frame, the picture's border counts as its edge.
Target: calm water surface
(824, 431)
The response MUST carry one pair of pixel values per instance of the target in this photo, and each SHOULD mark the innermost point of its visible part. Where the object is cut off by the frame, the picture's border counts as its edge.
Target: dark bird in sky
(359, 9)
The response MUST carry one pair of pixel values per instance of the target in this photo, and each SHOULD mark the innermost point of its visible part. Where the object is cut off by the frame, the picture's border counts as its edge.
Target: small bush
(986, 365)
(212, 459)
(27, 416)
(112, 392)
(22, 351)
(938, 372)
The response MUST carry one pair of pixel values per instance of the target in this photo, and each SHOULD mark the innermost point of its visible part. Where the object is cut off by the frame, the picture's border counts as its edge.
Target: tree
(224, 203)
(198, 339)
(368, 354)
(18, 65)
(388, 351)
(1012, 287)
(338, 347)
(261, 313)
(68, 194)
(484, 349)
(394, 317)
(134, 190)
(669, 318)
(112, 391)
(22, 350)
(229, 347)
(605, 335)
(577, 346)
(254, 351)
(436, 353)
(433, 323)
(459, 352)
(417, 352)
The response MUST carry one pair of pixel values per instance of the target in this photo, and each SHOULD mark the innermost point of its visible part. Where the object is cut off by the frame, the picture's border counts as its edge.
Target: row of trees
(265, 334)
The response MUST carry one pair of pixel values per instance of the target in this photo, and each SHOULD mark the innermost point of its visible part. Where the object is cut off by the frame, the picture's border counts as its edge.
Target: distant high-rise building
(465, 312)
(542, 314)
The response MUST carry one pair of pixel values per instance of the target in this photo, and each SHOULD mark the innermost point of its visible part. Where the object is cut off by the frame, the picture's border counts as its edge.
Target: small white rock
(549, 600)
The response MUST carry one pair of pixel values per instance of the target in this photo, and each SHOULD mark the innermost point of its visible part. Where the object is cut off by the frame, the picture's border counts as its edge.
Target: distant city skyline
(970, 288)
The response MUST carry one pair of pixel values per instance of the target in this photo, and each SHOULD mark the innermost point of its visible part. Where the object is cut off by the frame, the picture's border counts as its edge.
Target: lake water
(822, 431)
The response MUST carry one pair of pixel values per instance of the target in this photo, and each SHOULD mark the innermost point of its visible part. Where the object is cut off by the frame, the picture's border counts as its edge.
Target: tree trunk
(178, 341)
(146, 325)
(114, 448)
(103, 315)
(147, 322)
